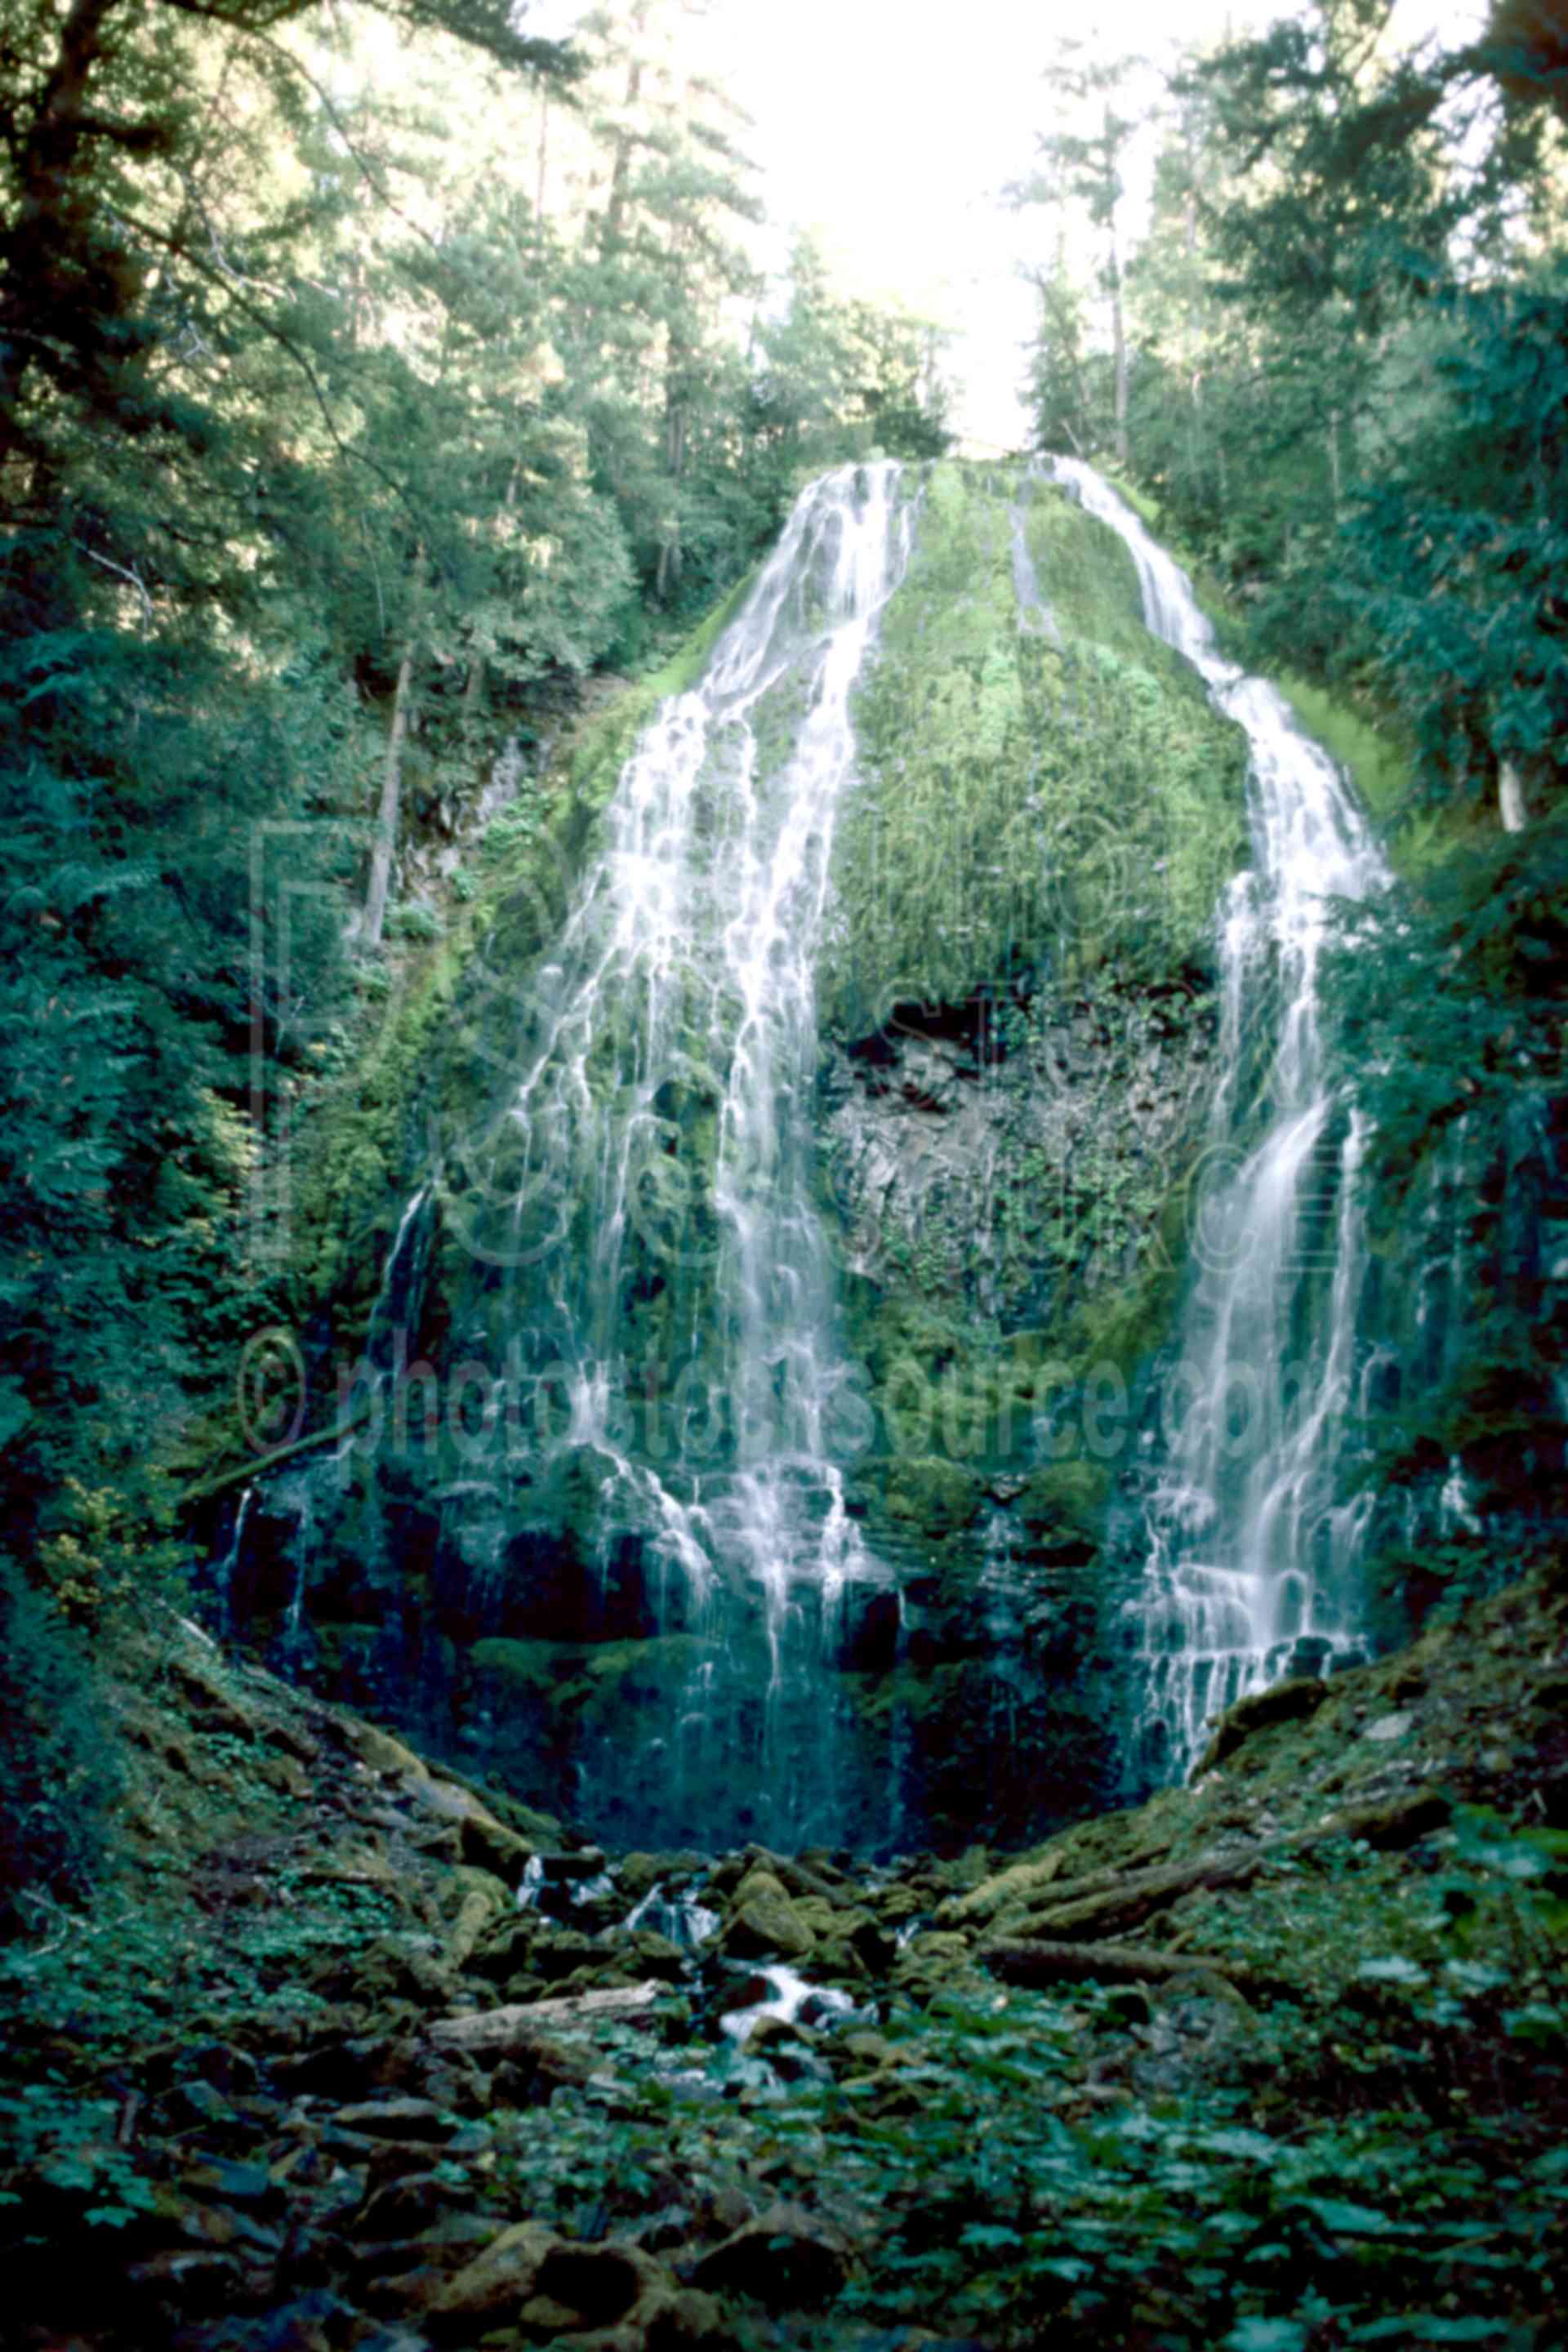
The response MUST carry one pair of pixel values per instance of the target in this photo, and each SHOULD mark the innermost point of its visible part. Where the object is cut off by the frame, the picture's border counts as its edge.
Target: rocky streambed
(354, 2055)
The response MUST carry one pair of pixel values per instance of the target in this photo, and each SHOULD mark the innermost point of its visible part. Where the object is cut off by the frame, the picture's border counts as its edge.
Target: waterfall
(1035, 615)
(669, 1276)
(1250, 1543)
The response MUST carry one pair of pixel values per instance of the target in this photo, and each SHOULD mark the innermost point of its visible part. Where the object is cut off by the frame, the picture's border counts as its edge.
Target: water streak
(1252, 1541)
(664, 1118)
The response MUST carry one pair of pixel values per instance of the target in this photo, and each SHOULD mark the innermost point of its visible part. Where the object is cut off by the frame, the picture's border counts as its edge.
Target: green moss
(420, 1035)
(937, 1496)
(1066, 1495)
(1024, 803)
(568, 1675)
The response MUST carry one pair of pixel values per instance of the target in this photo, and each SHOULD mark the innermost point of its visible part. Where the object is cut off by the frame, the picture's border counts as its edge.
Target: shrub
(56, 1762)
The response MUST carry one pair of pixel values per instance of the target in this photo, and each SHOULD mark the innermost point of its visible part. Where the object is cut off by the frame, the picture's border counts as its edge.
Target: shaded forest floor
(1273, 2063)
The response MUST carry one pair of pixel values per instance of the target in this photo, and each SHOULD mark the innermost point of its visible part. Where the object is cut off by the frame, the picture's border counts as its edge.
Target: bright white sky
(890, 127)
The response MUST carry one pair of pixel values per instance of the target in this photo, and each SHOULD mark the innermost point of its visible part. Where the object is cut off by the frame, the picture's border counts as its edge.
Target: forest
(785, 1236)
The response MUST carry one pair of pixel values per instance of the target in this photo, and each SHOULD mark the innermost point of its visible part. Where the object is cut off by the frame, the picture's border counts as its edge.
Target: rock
(655, 1956)
(532, 2079)
(686, 2316)
(379, 1752)
(938, 1947)
(787, 2258)
(545, 2319)
(495, 2285)
(840, 1962)
(767, 2035)
(938, 1496)
(1399, 1823)
(199, 2103)
(387, 1971)
(871, 2050)
(235, 2184)
(1389, 1726)
(556, 1952)
(193, 2283)
(821, 1917)
(503, 1950)
(406, 2210)
(445, 2245)
(416, 2119)
(763, 1920)
(596, 2283)
(1063, 1499)
(637, 1875)
(1287, 1702)
(577, 1862)
(210, 1706)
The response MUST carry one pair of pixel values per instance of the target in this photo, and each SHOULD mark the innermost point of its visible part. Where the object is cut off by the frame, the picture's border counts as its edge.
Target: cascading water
(1251, 1544)
(670, 1279)
(1035, 615)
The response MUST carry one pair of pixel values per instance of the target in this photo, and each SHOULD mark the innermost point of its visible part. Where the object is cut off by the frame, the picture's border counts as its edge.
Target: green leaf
(1266, 2336)
(1396, 1969)
(1349, 2220)
(1426, 2327)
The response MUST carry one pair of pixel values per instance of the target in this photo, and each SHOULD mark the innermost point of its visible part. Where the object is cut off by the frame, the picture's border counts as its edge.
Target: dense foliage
(335, 438)
(1348, 322)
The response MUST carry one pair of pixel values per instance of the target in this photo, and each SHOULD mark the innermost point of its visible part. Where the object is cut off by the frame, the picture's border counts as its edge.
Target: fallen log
(1127, 1902)
(521, 2023)
(1032, 1964)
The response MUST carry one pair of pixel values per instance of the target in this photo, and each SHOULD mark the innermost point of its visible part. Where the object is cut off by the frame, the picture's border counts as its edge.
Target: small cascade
(223, 1573)
(402, 1279)
(669, 1280)
(1035, 615)
(681, 1918)
(295, 1641)
(1251, 1542)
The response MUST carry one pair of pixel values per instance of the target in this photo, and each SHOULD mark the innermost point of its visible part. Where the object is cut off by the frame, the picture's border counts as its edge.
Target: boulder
(492, 2289)
(1287, 1701)
(786, 2259)
(399, 2119)
(762, 1919)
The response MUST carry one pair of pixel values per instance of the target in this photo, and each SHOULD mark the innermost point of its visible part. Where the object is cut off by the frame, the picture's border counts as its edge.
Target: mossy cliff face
(1017, 1023)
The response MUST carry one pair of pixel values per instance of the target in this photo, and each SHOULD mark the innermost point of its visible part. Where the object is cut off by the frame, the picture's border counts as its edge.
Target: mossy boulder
(764, 1921)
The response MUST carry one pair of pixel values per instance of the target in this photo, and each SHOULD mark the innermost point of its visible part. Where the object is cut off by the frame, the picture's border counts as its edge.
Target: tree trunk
(1194, 370)
(625, 140)
(1118, 339)
(391, 790)
(33, 248)
(521, 2024)
(1047, 1963)
(674, 465)
(1112, 134)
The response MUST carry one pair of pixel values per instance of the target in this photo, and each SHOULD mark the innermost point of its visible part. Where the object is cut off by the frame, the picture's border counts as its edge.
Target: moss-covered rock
(764, 1921)
(936, 1497)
